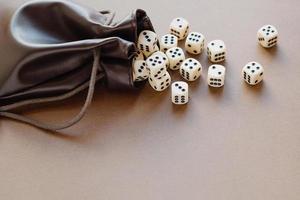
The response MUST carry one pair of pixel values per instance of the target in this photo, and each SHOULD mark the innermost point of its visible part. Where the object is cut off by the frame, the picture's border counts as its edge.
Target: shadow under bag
(67, 48)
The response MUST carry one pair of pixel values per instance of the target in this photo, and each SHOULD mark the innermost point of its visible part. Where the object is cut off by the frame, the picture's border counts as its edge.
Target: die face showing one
(216, 51)
(160, 84)
(267, 36)
(253, 73)
(140, 71)
(194, 43)
(176, 57)
(167, 42)
(156, 65)
(164, 56)
(190, 69)
(148, 42)
(179, 27)
(216, 76)
(180, 92)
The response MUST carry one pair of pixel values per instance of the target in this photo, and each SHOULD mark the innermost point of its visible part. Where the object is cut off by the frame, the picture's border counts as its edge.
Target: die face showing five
(194, 43)
(190, 69)
(161, 83)
(179, 27)
(216, 75)
(216, 51)
(156, 65)
(180, 92)
(176, 57)
(148, 42)
(140, 71)
(164, 56)
(168, 41)
(267, 36)
(253, 73)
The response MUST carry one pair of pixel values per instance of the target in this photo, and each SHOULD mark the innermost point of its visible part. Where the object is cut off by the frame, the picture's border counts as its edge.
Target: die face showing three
(216, 75)
(148, 42)
(157, 66)
(267, 36)
(179, 27)
(140, 71)
(253, 73)
(216, 51)
(168, 41)
(194, 43)
(180, 92)
(190, 69)
(161, 83)
(176, 57)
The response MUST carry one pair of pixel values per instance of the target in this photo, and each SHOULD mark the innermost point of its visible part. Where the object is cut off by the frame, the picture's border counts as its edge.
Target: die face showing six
(164, 56)
(194, 43)
(179, 27)
(190, 69)
(180, 92)
(253, 73)
(147, 42)
(216, 51)
(176, 57)
(140, 71)
(267, 36)
(168, 41)
(157, 66)
(160, 84)
(216, 76)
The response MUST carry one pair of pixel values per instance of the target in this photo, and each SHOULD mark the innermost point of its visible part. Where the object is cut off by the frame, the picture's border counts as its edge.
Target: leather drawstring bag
(67, 48)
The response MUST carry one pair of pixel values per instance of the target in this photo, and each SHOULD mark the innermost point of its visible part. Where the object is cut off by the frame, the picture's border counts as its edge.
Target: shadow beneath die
(216, 92)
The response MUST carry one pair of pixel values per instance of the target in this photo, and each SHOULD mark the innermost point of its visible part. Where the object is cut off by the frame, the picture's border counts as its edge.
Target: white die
(140, 71)
(147, 42)
(148, 54)
(168, 41)
(161, 83)
(267, 36)
(253, 73)
(190, 69)
(157, 66)
(216, 76)
(139, 56)
(165, 58)
(216, 51)
(176, 57)
(194, 43)
(179, 27)
(180, 92)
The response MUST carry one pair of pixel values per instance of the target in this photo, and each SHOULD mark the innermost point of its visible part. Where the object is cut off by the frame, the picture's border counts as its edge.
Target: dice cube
(161, 83)
(180, 92)
(253, 73)
(216, 51)
(147, 42)
(267, 36)
(216, 76)
(164, 56)
(190, 69)
(179, 27)
(168, 41)
(176, 57)
(156, 65)
(139, 56)
(140, 71)
(194, 43)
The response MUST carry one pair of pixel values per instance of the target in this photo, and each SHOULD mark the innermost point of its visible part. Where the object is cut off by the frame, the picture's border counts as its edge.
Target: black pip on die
(176, 57)
(253, 73)
(179, 27)
(194, 43)
(216, 76)
(216, 51)
(190, 69)
(148, 42)
(267, 36)
(180, 92)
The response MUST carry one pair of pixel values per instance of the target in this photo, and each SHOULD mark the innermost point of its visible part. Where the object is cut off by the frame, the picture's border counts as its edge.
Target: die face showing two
(168, 41)
(179, 27)
(156, 65)
(216, 51)
(190, 69)
(180, 92)
(194, 43)
(176, 57)
(216, 75)
(140, 71)
(253, 73)
(161, 83)
(267, 36)
(148, 42)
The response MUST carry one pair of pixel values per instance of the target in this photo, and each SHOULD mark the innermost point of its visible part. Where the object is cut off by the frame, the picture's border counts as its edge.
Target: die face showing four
(176, 57)
(267, 36)
(161, 83)
(164, 56)
(179, 27)
(253, 73)
(148, 42)
(140, 71)
(156, 65)
(190, 69)
(216, 51)
(194, 43)
(180, 92)
(167, 42)
(216, 75)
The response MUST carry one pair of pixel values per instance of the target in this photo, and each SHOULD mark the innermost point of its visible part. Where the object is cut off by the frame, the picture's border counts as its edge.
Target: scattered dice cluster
(156, 56)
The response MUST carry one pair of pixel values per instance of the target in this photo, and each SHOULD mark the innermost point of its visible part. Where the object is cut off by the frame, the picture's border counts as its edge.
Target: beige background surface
(236, 143)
